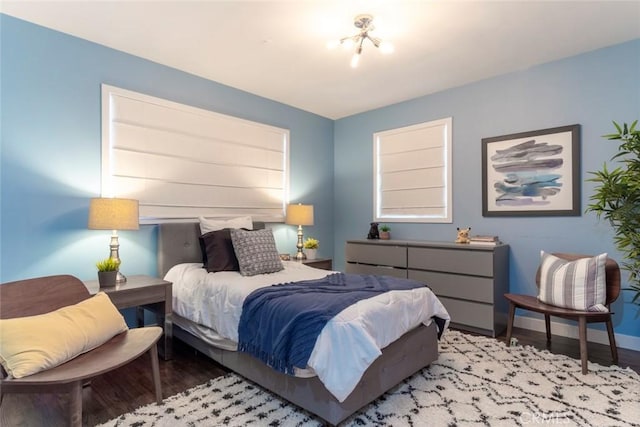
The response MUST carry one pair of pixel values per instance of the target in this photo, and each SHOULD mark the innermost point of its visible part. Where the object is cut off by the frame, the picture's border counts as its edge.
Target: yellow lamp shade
(113, 214)
(299, 214)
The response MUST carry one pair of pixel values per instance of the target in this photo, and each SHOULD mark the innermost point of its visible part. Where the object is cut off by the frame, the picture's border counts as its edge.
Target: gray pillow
(256, 251)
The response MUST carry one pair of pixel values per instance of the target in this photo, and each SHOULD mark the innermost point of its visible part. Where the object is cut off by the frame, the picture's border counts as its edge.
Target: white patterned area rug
(477, 381)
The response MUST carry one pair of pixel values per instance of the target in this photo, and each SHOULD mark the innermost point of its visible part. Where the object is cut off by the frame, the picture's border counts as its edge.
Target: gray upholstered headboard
(178, 243)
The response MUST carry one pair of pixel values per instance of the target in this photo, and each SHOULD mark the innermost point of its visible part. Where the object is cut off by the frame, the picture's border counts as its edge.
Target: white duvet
(347, 345)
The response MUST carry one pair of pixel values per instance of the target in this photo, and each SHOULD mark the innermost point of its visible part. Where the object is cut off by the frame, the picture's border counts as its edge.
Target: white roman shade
(183, 162)
(412, 173)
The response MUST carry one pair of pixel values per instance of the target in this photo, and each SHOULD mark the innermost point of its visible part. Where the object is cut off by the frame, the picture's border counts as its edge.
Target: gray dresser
(470, 280)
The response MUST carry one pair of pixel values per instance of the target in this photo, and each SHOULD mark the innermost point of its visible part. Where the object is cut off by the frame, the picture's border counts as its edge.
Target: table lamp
(114, 214)
(299, 215)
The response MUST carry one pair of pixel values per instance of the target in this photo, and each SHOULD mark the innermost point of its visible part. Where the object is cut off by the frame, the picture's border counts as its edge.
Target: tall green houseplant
(617, 199)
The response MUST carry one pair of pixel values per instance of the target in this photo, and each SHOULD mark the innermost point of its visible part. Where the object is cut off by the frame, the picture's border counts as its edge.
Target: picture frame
(533, 173)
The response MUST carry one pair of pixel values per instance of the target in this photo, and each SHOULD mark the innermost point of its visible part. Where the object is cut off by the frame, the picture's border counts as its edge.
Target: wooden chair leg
(547, 326)
(155, 371)
(582, 328)
(512, 314)
(612, 341)
(75, 404)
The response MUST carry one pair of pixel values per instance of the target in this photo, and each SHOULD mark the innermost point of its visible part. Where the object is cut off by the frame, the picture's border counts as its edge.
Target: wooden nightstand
(321, 263)
(144, 292)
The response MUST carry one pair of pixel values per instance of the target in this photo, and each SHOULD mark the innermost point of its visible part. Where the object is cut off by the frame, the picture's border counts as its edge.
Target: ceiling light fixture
(364, 24)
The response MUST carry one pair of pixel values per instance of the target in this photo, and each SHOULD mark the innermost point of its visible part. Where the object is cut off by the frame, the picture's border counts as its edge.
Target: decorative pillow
(36, 343)
(579, 284)
(217, 251)
(256, 251)
(207, 225)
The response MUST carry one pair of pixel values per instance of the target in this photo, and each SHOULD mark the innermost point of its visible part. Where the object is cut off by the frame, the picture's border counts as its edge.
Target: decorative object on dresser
(374, 232)
(470, 280)
(462, 235)
(299, 215)
(114, 214)
(72, 338)
(558, 277)
(484, 240)
(385, 232)
(475, 381)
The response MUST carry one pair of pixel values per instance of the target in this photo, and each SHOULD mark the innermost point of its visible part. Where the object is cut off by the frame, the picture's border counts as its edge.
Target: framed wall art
(532, 173)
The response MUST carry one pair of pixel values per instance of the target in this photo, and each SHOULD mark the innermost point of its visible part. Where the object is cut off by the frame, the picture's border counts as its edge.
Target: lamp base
(121, 278)
(114, 253)
(300, 256)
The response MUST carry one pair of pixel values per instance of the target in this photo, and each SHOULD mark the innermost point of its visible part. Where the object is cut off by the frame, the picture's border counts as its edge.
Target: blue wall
(50, 152)
(591, 89)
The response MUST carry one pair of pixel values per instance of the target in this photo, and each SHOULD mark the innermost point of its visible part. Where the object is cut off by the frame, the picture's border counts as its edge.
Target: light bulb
(332, 44)
(347, 44)
(386, 47)
(355, 59)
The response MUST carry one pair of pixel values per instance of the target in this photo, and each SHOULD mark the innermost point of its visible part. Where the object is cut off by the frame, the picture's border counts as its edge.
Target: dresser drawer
(461, 261)
(389, 255)
(469, 313)
(457, 286)
(376, 270)
(470, 280)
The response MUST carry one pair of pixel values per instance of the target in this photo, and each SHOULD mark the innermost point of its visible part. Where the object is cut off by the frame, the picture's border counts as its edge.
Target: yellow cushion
(36, 343)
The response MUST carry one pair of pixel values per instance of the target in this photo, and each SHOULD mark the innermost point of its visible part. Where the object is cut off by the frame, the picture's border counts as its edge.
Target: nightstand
(321, 263)
(144, 292)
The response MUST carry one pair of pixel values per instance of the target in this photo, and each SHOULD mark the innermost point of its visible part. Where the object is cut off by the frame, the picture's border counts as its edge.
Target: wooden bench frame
(42, 295)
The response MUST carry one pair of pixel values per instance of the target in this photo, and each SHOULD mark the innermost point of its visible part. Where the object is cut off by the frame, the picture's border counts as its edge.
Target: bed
(179, 250)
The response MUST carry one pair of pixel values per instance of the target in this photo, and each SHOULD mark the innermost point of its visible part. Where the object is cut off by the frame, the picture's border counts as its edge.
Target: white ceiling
(277, 49)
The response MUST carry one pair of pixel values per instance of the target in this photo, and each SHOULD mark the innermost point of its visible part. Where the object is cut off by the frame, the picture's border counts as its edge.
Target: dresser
(470, 280)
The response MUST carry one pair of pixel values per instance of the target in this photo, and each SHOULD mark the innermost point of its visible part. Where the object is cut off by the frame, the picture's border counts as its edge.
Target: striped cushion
(579, 284)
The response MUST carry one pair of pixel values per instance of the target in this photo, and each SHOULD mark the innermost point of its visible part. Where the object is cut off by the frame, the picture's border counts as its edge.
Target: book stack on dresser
(484, 240)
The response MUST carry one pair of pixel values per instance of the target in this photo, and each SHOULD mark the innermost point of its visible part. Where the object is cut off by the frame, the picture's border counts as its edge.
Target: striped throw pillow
(579, 284)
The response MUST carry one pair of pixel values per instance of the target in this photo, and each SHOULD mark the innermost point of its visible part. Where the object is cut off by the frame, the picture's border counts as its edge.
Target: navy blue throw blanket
(281, 323)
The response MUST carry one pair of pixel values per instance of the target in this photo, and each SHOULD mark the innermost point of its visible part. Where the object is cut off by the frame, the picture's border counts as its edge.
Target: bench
(45, 294)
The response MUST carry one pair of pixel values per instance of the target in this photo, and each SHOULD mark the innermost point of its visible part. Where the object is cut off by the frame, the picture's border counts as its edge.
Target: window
(181, 162)
(412, 173)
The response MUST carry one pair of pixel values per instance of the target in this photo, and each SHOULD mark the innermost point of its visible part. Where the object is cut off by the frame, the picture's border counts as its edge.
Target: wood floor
(130, 387)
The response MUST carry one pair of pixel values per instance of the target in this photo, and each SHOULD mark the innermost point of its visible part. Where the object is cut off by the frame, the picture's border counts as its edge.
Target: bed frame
(178, 243)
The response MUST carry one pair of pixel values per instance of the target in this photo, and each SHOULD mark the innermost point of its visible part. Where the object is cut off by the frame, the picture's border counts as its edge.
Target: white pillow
(207, 225)
(579, 284)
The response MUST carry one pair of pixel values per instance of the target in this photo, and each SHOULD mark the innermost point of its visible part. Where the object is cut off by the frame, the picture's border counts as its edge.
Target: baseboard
(571, 331)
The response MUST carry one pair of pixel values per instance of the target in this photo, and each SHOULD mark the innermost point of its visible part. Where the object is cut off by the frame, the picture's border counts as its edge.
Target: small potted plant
(385, 232)
(311, 246)
(107, 272)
